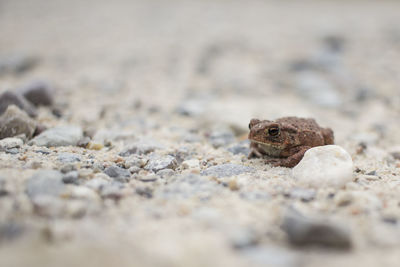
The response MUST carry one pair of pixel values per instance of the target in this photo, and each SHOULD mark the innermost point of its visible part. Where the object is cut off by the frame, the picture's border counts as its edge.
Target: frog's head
(270, 133)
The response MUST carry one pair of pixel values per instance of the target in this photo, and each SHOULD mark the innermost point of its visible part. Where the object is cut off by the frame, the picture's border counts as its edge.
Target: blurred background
(179, 69)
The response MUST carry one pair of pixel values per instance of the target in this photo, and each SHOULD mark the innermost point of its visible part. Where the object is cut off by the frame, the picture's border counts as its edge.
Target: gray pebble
(134, 169)
(45, 182)
(58, 136)
(140, 148)
(38, 93)
(14, 122)
(118, 173)
(68, 157)
(226, 170)
(157, 163)
(12, 151)
(270, 256)
(221, 138)
(242, 148)
(303, 231)
(71, 178)
(9, 98)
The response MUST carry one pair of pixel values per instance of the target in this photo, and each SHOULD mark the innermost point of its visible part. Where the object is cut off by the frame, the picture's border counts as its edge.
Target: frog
(284, 141)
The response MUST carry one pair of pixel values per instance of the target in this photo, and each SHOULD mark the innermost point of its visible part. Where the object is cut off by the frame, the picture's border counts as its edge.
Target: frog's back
(308, 131)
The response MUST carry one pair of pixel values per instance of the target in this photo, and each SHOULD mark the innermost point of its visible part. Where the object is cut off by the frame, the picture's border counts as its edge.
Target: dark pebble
(39, 93)
(10, 98)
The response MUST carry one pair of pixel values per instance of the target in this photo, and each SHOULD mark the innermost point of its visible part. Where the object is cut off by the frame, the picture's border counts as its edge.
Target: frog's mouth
(278, 145)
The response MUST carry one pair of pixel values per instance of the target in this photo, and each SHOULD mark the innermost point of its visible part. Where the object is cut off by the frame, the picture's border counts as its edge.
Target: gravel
(141, 147)
(226, 170)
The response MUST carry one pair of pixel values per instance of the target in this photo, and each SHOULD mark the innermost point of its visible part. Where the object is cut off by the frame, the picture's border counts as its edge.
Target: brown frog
(286, 140)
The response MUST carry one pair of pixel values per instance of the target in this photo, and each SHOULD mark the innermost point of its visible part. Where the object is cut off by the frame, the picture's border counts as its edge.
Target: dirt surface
(164, 92)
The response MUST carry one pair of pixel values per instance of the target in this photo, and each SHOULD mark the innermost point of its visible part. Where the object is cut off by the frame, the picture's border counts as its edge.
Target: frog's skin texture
(283, 142)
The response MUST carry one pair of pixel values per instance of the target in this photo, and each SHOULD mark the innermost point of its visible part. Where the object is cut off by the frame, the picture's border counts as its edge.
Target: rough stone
(157, 163)
(242, 148)
(305, 231)
(118, 173)
(39, 93)
(223, 137)
(68, 157)
(71, 177)
(226, 170)
(45, 182)
(58, 136)
(9, 98)
(10, 142)
(324, 166)
(14, 122)
(141, 147)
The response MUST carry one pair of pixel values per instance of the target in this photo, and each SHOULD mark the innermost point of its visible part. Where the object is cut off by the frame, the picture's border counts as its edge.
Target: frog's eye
(274, 131)
(249, 126)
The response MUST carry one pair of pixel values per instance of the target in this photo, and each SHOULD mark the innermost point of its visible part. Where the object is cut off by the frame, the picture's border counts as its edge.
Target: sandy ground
(189, 75)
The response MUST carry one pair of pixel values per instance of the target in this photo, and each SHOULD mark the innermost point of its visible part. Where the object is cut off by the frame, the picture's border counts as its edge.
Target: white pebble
(191, 164)
(323, 166)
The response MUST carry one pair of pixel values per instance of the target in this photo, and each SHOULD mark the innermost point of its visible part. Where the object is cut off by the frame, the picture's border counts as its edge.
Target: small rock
(303, 231)
(191, 164)
(324, 166)
(166, 173)
(118, 173)
(14, 122)
(68, 168)
(94, 146)
(39, 93)
(98, 182)
(135, 161)
(226, 170)
(157, 163)
(12, 151)
(68, 157)
(242, 148)
(58, 136)
(71, 177)
(9, 98)
(134, 169)
(10, 142)
(140, 148)
(45, 182)
(221, 138)
(144, 191)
